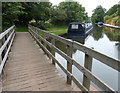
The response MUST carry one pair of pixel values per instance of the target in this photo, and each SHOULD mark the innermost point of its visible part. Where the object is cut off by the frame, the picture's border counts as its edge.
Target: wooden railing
(40, 37)
(6, 39)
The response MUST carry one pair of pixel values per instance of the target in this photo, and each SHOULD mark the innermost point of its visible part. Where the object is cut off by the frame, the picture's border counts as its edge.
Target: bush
(117, 20)
(107, 17)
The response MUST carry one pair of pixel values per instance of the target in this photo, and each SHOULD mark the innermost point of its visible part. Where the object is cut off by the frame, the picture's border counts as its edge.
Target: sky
(90, 5)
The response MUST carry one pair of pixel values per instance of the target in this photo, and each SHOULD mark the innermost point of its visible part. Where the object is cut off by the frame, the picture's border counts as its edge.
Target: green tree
(58, 16)
(21, 13)
(41, 11)
(107, 17)
(27, 15)
(70, 11)
(114, 10)
(98, 14)
(10, 13)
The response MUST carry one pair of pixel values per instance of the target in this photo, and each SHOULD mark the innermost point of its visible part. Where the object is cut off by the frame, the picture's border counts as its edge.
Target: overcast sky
(91, 4)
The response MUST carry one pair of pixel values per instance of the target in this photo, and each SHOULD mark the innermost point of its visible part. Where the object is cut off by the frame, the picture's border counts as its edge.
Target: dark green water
(103, 39)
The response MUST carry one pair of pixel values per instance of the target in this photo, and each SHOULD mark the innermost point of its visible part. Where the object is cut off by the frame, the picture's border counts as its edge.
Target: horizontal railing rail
(40, 36)
(6, 39)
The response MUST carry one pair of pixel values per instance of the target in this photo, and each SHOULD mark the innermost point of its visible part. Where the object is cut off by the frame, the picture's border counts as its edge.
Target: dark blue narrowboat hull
(79, 34)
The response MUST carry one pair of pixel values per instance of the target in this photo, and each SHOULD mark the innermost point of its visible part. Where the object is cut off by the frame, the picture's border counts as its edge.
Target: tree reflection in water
(97, 32)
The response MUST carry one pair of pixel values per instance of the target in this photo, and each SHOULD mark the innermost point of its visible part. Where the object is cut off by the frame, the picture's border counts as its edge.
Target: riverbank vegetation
(42, 14)
(58, 29)
(98, 14)
(55, 19)
(112, 16)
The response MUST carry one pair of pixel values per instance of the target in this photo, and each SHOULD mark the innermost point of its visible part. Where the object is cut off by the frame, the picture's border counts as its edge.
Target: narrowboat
(79, 29)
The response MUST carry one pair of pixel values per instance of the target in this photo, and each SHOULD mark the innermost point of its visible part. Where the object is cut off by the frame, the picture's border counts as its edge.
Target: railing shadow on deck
(40, 37)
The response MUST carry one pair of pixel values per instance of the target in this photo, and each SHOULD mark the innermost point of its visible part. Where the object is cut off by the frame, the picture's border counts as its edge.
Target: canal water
(103, 39)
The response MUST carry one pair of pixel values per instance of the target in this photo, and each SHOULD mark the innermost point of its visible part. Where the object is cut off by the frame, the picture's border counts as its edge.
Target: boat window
(74, 26)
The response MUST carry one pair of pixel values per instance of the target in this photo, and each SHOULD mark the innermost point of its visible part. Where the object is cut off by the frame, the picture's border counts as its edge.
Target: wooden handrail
(113, 63)
(6, 39)
(2, 35)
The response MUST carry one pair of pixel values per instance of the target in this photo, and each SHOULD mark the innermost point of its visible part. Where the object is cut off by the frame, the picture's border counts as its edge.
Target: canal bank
(112, 26)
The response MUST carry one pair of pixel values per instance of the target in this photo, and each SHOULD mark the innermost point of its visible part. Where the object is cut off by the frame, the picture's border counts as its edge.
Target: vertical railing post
(1, 54)
(52, 50)
(38, 32)
(4, 51)
(87, 65)
(69, 64)
(45, 39)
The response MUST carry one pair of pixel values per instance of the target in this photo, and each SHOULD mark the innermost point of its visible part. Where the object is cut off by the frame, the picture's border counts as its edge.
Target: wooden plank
(57, 50)
(111, 62)
(52, 49)
(87, 65)
(86, 50)
(69, 64)
(66, 57)
(61, 39)
(69, 75)
(99, 56)
(92, 77)
(79, 84)
(44, 36)
(48, 52)
(27, 74)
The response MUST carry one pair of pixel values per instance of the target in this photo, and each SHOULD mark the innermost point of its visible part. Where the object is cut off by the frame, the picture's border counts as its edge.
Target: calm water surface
(104, 40)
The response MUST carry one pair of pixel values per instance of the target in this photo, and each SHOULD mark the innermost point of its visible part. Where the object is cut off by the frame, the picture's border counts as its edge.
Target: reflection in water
(97, 32)
(104, 40)
(80, 39)
(113, 34)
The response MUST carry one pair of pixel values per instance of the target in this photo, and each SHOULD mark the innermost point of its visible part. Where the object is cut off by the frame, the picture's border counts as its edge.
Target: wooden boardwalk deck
(29, 69)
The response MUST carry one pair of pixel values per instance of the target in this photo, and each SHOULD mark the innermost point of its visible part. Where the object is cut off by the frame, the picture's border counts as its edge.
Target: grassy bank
(21, 29)
(58, 30)
(114, 21)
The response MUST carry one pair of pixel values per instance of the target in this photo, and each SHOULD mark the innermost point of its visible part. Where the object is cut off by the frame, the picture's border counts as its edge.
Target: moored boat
(79, 29)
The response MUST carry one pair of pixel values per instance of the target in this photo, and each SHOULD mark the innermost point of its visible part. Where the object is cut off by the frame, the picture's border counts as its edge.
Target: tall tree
(58, 16)
(10, 12)
(70, 11)
(41, 11)
(114, 10)
(27, 15)
(98, 14)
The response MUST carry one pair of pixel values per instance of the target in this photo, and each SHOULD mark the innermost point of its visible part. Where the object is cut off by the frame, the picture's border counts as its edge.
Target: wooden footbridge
(27, 63)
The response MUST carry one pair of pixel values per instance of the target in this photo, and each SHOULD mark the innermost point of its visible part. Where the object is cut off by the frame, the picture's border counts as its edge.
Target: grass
(58, 30)
(21, 29)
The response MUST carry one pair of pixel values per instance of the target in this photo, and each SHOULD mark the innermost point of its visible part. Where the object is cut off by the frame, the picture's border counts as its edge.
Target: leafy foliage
(98, 14)
(11, 11)
(107, 17)
(42, 13)
(113, 15)
(27, 16)
(67, 12)
(114, 10)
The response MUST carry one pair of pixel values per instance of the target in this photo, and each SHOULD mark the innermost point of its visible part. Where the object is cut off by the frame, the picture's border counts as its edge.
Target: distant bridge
(25, 67)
